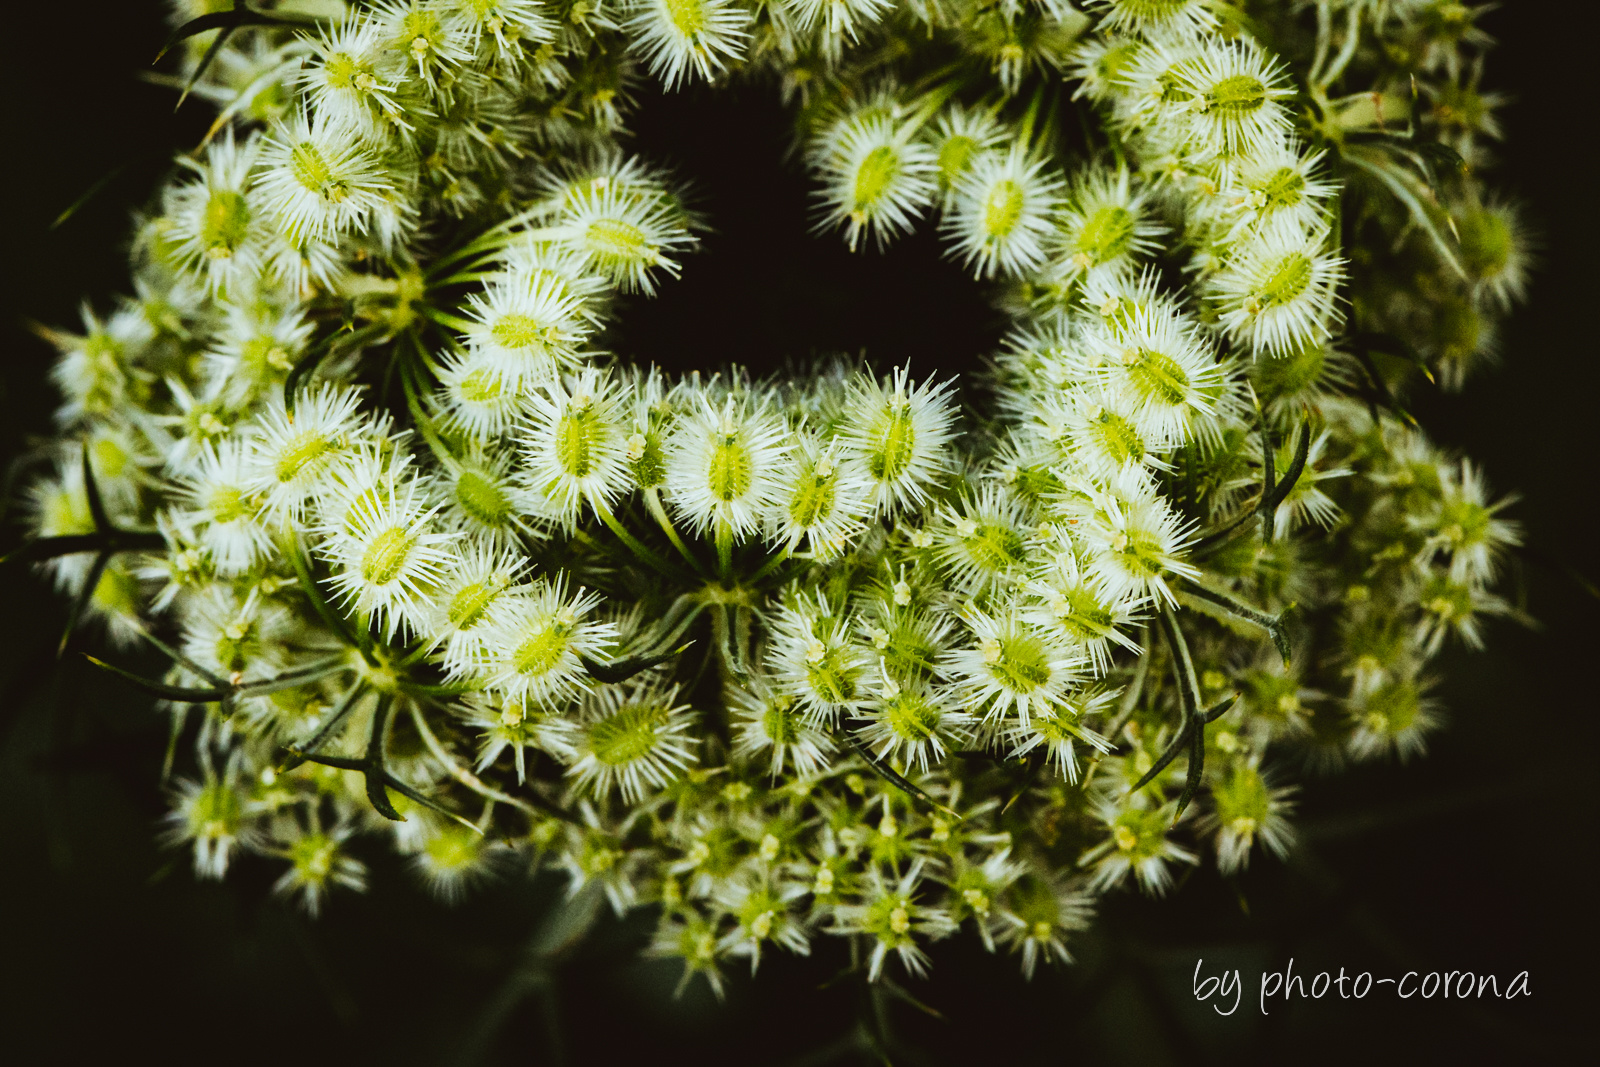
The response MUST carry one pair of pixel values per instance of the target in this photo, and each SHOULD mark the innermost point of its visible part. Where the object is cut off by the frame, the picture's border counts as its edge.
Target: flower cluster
(792, 658)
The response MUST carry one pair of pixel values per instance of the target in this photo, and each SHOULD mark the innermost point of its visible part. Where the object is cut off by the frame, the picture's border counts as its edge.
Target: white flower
(1138, 845)
(763, 913)
(518, 727)
(242, 639)
(1099, 62)
(1494, 251)
(1278, 289)
(1133, 537)
(1211, 99)
(95, 371)
(317, 861)
(820, 500)
(565, 269)
(1306, 501)
(295, 456)
(906, 637)
(1098, 433)
(352, 86)
(1012, 670)
(255, 348)
(1246, 807)
(982, 543)
(573, 446)
(875, 176)
(812, 659)
(1155, 18)
(912, 723)
(424, 38)
(297, 259)
(217, 231)
(898, 436)
(450, 858)
(623, 235)
(836, 21)
(482, 496)
(1000, 219)
(960, 137)
(1276, 182)
(1160, 370)
(1069, 598)
(477, 585)
(765, 719)
(1466, 525)
(387, 556)
(634, 739)
(1059, 729)
(215, 816)
(536, 650)
(526, 328)
(894, 918)
(725, 463)
(319, 182)
(1103, 224)
(680, 36)
(507, 22)
(223, 509)
(1040, 911)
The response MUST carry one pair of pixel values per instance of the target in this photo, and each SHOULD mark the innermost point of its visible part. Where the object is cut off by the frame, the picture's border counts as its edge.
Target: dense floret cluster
(791, 658)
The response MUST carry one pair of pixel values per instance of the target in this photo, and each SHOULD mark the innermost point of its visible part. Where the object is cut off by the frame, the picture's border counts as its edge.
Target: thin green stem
(636, 546)
(724, 551)
(652, 503)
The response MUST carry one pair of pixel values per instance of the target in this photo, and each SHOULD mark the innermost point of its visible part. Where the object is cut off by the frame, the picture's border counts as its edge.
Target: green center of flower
(730, 472)
(896, 447)
(1237, 95)
(480, 387)
(911, 717)
(308, 449)
(832, 678)
(386, 556)
(541, 653)
(875, 175)
(453, 849)
(1288, 280)
(1002, 208)
(1283, 189)
(954, 155)
(617, 240)
(813, 500)
(1118, 438)
(1106, 234)
(1157, 376)
(1486, 243)
(628, 735)
(517, 331)
(579, 434)
(483, 499)
(215, 811)
(226, 223)
(1022, 665)
(315, 173)
(995, 546)
(781, 723)
(471, 603)
(1140, 553)
(227, 504)
(236, 645)
(1085, 616)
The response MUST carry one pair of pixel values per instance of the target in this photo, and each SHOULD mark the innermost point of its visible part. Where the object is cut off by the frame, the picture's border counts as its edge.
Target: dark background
(1478, 857)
